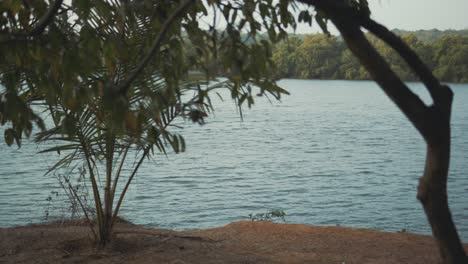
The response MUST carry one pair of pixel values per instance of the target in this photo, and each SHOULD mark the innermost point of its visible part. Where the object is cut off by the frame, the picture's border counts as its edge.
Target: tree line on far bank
(319, 56)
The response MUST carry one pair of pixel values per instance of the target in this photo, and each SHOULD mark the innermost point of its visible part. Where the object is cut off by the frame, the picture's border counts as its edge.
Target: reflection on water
(331, 153)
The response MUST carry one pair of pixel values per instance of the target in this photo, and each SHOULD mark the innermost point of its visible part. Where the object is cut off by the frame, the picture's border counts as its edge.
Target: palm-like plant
(113, 76)
(114, 84)
(96, 140)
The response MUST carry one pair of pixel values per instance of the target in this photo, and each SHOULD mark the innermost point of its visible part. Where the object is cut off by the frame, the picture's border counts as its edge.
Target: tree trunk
(432, 190)
(432, 122)
(108, 199)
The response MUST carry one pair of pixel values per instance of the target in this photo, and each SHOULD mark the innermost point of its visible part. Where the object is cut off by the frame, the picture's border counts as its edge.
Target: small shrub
(269, 216)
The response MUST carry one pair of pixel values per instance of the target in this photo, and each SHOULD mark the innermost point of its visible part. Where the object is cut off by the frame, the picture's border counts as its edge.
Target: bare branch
(346, 19)
(74, 193)
(440, 94)
(409, 103)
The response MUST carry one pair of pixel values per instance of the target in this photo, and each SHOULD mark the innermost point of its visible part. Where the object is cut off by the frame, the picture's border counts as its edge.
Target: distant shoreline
(359, 80)
(318, 56)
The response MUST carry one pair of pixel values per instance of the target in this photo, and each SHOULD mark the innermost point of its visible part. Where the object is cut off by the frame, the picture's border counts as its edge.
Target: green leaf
(322, 21)
(15, 6)
(182, 143)
(9, 136)
(304, 16)
(176, 143)
(242, 99)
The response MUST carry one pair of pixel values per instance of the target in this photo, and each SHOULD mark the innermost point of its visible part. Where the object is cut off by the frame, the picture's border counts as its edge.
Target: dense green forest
(432, 34)
(320, 56)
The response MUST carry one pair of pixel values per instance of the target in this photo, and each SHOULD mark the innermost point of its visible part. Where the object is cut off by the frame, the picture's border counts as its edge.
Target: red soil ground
(240, 242)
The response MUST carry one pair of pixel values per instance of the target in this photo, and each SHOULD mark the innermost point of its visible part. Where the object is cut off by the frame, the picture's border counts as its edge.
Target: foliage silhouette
(104, 58)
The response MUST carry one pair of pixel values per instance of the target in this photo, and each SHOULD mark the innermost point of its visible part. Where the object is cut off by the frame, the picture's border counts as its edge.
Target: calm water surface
(331, 153)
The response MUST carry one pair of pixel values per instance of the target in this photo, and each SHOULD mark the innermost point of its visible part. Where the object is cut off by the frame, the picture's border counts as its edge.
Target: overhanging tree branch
(410, 104)
(41, 24)
(125, 85)
(438, 92)
(345, 19)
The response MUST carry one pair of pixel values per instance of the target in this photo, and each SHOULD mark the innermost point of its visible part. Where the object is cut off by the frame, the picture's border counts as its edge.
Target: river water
(331, 153)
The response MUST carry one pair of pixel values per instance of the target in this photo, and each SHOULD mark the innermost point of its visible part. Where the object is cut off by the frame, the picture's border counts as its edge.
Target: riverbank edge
(237, 242)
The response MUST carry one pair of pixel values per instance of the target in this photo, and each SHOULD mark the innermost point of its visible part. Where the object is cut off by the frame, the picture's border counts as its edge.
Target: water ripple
(324, 155)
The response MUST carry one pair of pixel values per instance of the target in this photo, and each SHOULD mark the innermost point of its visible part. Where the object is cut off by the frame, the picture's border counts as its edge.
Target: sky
(415, 14)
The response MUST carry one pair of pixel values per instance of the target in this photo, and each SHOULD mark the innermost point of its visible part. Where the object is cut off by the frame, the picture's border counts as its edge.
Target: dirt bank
(240, 242)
